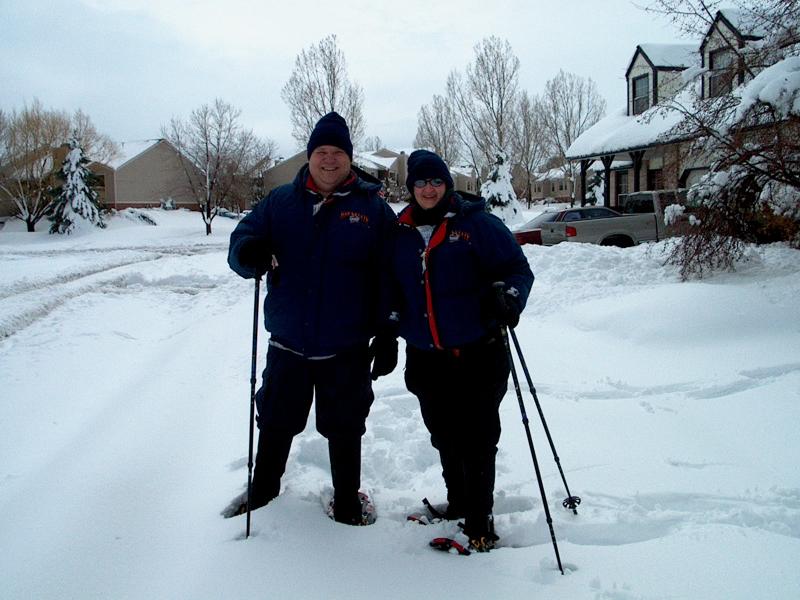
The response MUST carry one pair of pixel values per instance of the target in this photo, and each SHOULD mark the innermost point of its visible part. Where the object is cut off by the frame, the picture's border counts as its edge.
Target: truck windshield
(539, 220)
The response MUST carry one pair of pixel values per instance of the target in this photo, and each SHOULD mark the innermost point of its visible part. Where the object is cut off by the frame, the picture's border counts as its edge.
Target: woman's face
(429, 195)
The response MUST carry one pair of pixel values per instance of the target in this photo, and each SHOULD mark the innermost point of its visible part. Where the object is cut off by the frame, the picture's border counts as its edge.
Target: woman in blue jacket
(461, 277)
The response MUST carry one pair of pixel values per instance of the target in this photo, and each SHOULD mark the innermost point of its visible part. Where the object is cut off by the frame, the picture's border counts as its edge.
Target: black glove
(506, 306)
(382, 355)
(256, 254)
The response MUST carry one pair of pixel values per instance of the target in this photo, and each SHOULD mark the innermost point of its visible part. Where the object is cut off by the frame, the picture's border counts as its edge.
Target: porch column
(636, 157)
(584, 167)
(607, 160)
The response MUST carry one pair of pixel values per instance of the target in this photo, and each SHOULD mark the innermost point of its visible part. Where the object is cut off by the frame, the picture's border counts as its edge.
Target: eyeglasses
(435, 182)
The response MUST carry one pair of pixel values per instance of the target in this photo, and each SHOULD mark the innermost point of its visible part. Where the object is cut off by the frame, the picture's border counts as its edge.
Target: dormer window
(641, 94)
(722, 65)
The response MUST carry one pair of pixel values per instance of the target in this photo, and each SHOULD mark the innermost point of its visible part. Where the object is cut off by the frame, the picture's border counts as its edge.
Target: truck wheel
(620, 241)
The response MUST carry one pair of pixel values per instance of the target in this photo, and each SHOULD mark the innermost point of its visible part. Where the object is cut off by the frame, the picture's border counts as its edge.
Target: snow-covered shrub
(75, 208)
(501, 200)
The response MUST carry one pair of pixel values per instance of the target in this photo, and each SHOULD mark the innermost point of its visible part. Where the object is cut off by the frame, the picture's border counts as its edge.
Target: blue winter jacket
(323, 295)
(445, 289)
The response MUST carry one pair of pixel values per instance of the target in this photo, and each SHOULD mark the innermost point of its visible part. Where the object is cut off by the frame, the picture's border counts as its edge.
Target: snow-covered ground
(124, 368)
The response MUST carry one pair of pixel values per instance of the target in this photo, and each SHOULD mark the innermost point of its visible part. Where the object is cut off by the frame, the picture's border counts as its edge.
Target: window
(621, 182)
(598, 213)
(655, 179)
(641, 94)
(722, 64)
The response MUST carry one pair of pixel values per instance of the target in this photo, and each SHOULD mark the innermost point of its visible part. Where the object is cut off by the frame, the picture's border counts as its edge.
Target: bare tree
(528, 139)
(27, 170)
(372, 144)
(320, 84)
(484, 98)
(570, 105)
(97, 146)
(219, 156)
(437, 129)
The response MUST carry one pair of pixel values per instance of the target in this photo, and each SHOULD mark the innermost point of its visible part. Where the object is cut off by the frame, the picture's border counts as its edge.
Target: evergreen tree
(501, 200)
(76, 206)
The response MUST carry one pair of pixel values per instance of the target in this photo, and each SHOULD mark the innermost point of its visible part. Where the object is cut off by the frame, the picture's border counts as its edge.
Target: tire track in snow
(22, 304)
(748, 379)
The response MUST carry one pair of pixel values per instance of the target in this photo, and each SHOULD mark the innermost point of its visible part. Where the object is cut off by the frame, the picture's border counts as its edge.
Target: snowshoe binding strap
(447, 544)
(434, 513)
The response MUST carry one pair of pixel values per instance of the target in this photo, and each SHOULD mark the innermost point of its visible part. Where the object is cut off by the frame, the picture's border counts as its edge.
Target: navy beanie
(424, 164)
(331, 130)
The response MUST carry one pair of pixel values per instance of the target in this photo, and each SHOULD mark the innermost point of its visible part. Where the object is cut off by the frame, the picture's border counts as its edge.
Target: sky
(673, 407)
(134, 64)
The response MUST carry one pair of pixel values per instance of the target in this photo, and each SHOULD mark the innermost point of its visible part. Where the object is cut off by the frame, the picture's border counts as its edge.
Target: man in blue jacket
(461, 276)
(323, 243)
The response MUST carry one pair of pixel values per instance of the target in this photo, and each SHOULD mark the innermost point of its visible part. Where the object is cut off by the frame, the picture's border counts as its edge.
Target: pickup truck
(640, 218)
(594, 224)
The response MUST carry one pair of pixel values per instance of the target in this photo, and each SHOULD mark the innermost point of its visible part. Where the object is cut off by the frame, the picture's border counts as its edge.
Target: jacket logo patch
(354, 217)
(458, 236)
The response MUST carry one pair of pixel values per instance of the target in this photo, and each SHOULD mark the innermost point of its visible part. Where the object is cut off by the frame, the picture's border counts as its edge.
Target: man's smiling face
(329, 167)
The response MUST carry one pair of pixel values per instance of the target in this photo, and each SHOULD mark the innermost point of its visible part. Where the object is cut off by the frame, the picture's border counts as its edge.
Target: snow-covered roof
(777, 85)
(551, 174)
(743, 22)
(131, 149)
(465, 170)
(671, 55)
(619, 132)
(370, 160)
(615, 164)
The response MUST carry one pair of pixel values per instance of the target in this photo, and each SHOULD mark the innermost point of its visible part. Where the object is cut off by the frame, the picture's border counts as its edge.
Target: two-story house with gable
(638, 146)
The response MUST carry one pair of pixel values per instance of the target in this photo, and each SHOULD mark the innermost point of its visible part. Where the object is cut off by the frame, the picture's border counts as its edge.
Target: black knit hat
(330, 130)
(424, 164)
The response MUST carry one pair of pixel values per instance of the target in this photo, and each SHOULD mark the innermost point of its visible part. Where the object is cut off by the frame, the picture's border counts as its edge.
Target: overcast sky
(133, 64)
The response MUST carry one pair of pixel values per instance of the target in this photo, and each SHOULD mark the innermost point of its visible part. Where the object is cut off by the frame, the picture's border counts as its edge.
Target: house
(639, 146)
(283, 171)
(465, 179)
(550, 186)
(147, 174)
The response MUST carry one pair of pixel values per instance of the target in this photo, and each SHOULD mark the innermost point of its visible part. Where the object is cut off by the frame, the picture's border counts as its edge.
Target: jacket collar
(452, 199)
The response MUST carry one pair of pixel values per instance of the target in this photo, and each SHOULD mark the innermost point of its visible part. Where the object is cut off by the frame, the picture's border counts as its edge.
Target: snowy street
(124, 375)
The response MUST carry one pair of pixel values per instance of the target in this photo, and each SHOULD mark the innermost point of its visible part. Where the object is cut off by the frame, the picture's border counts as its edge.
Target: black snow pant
(459, 394)
(342, 389)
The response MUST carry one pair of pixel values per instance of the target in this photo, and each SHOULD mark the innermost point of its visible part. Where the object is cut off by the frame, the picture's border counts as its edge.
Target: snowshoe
(447, 544)
(434, 513)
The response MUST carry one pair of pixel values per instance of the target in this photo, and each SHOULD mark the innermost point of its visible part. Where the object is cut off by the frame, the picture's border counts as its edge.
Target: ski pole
(570, 501)
(252, 402)
(504, 333)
